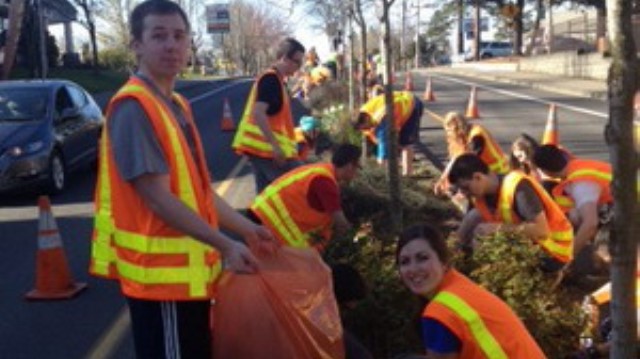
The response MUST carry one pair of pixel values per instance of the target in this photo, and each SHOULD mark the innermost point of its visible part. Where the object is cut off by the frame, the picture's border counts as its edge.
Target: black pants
(170, 329)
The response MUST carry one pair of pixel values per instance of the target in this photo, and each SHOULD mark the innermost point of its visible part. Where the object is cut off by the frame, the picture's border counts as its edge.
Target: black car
(47, 128)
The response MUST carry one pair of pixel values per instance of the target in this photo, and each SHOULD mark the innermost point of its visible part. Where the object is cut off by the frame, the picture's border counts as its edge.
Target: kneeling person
(512, 202)
(305, 202)
(407, 111)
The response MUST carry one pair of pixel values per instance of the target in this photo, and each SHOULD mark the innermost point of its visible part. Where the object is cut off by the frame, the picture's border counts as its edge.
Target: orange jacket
(559, 244)
(491, 153)
(403, 104)
(485, 325)
(284, 209)
(130, 243)
(249, 138)
(584, 170)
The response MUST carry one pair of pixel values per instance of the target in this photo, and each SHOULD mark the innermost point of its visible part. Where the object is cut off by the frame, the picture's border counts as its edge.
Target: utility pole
(417, 59)
(402, 34)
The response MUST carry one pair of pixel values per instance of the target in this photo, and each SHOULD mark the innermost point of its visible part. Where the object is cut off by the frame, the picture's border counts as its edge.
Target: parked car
(47, 129)
(489, 49)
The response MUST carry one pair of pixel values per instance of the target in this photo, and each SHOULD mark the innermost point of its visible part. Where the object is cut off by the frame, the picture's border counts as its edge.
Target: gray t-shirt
(136, 148)
(527, 203)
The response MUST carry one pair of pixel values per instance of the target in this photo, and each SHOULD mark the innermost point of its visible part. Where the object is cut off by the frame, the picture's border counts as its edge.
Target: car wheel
(487, 56)
(57, 174)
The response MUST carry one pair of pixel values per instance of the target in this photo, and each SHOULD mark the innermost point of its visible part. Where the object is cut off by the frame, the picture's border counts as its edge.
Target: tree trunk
(536, 28)
(623, 84)
(392, 132)
(16, 13)
(517, 26)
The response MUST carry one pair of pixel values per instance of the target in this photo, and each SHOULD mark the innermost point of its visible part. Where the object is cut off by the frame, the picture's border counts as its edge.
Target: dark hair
(550, 158)
(529, 146)
(153, 7)
(427, 233)
(464, 166)
(288, 47)
(346, 154)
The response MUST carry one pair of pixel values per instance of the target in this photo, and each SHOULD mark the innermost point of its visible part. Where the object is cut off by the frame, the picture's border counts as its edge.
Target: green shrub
(117, 59)
(508, 265)
(386, 321)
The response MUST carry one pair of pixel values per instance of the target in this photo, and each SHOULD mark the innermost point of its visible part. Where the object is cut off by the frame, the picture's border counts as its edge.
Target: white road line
(213, 92)
(104, 347)
(524, 97)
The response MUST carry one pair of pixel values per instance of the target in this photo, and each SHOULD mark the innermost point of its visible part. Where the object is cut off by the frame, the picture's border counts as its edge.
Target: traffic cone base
(53, 278)
(472, 106)
(550, 135)
(227, 117)
(428, 91)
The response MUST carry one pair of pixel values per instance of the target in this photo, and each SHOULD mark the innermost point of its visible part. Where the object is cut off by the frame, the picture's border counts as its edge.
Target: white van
(489, 49)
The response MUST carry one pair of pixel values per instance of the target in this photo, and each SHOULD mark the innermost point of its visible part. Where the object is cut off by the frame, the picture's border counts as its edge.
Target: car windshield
(22, 104)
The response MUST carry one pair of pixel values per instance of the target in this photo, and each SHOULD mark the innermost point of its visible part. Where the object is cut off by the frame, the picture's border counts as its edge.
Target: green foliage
(386, 321)
(118, 59)
(508, 265)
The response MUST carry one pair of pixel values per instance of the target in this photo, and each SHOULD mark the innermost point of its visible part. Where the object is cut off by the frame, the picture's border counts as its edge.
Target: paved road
(94, 324)
(508, 110)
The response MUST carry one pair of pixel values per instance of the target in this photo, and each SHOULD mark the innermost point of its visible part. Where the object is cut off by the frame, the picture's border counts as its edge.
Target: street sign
(218, 19)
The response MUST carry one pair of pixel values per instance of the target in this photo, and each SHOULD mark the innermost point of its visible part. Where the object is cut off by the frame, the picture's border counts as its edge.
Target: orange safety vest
(284, 209)
(249, 138)
(584, 170)
(485, 325)
(403, 104)
(559, 244)
(491, 153)
(130, 243)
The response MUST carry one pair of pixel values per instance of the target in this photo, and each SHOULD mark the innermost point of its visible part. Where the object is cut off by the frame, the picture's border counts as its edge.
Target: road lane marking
(213, 92)
(525, 97)
(104, 347)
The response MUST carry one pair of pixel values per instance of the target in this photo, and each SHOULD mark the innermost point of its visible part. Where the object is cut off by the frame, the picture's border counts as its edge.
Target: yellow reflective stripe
(287, 145)
(485, 340)
(506, 202)
(564, 201)
(185, 186)
(157, 245)
(554, 247)
(590, 173)
(562, 236)
(279, 225)
(290, 230)
(298, 239)
(102, 251)
(197, 279)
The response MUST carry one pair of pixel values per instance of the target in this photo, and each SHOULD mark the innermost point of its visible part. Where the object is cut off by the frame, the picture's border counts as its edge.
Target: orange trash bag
(286, 310)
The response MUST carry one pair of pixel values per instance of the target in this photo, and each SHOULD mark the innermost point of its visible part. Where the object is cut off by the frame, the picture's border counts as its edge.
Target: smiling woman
(461, 320)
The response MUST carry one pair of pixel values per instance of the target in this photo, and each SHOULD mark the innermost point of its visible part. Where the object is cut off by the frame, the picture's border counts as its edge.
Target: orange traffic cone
(408, 82)
(428, 91)
(227, 117)
(53, 279)
(472, 106)
(550, 135)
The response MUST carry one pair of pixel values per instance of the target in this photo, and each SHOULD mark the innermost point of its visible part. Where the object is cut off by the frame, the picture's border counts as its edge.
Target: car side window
(63, 101)
(78, 96)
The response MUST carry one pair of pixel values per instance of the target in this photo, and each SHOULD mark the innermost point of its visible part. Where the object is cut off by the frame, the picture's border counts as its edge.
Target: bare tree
(623, 83)
(115, 13)
(254, 31)
(359, 18)
(392, 132)
(89, 9)
(16, 13)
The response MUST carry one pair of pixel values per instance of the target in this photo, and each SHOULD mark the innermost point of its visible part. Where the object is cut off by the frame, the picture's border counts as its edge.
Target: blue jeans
(265, 170)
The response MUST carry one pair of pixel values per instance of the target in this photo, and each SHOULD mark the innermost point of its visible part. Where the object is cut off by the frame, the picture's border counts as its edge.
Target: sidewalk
(595, 89)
